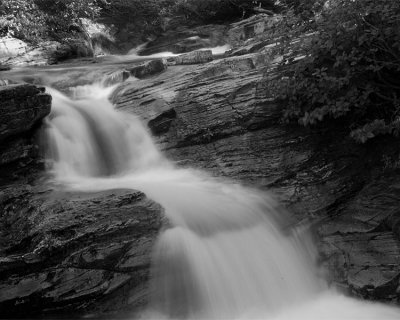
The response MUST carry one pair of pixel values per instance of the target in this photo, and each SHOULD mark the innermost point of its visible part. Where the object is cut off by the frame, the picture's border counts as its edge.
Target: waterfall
(86, 137)
(225, 255)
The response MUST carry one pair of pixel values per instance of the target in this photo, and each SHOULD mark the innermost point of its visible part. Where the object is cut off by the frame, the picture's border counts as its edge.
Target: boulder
(74, 253)
(22, 106)
(195, 57)
(360, 246)
(22, 109)
(10, 46)
(148, 68)
(4, 68)
(42, 54)
(71, 48)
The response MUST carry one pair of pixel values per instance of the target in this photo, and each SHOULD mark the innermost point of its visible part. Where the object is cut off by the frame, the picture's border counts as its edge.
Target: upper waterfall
(87, 137)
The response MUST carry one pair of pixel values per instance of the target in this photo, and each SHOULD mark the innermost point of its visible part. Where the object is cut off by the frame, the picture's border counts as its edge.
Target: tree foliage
(33, 20)
(350, 70)
(145, 15)
(220, 10)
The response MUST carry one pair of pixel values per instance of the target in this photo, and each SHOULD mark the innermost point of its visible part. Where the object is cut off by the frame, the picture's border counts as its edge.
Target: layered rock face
(223, 117)
(75, 253)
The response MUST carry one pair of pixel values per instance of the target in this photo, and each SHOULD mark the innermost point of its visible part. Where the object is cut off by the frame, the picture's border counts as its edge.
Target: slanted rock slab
(64, 252)
(148, 68)
(195, 57)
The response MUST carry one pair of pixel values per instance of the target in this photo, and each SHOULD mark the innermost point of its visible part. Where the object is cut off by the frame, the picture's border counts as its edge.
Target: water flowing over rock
(64, 252)
(90, 251)
(225, 252)
(223, 117)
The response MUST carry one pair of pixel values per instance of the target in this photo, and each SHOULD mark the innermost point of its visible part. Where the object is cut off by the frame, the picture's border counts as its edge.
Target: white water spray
(225, 256)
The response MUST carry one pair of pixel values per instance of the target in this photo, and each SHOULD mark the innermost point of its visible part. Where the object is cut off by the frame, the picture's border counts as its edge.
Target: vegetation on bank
(350, 68)
(35, 20)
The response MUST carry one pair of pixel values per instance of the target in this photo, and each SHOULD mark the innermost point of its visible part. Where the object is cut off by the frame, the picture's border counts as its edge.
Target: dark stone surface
(22, 106)
(360, 245)
(22, 109)
(149, 68)
(69, 252)
(195, 57)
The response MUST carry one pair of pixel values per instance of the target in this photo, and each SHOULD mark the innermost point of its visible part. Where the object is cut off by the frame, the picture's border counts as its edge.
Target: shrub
(21, 19)
(32, 20)
(350, 69)
(219, 10)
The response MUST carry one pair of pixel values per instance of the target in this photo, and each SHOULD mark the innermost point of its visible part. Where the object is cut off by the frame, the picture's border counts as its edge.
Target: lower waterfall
(225, 255)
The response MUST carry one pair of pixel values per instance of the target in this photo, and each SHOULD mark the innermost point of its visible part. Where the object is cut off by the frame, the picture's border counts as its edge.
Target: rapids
(225, 254)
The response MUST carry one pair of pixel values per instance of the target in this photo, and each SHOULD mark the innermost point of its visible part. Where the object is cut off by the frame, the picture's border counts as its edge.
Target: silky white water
(225, 255)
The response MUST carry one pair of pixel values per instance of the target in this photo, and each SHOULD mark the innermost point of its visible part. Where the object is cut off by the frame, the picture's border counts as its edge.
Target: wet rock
(195, 57)
(22, 109)
(148, 68)
(162, 123)
(66, 251)
(4, 68)
(115, 77)
(360, 246)
(32, 55)
(73, 48)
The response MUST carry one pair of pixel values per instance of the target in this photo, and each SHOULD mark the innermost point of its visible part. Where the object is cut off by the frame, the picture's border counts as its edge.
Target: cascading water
(88, 138)
(224, 256)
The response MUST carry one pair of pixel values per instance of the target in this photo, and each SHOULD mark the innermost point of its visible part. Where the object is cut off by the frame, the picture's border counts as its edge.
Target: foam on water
(225, 255)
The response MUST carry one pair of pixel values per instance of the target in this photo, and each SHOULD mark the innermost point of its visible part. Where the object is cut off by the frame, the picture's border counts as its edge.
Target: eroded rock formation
(74, 252)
